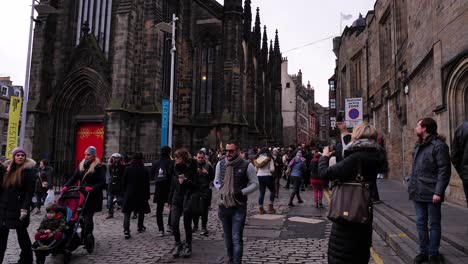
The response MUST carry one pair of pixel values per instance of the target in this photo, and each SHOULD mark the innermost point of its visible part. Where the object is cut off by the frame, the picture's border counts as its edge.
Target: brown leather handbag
(350, 202)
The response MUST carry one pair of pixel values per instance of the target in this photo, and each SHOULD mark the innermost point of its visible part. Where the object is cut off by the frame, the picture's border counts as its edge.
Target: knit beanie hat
(91, 150)
(18, 150)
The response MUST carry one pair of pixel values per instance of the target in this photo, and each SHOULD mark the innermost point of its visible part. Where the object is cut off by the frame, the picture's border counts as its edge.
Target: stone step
(400, 232)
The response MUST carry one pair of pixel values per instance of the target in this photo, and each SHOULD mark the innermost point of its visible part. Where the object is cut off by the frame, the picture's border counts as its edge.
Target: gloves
(88, 189)
(64, 189)
(23, 214)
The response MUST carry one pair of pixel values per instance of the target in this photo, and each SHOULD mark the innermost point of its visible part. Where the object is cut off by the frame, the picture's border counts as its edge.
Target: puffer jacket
(460, 151)
(350, 243)
(430, 170)
(16, 198)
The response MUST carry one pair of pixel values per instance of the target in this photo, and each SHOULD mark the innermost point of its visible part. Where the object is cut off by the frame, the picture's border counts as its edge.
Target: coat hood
(28, 164)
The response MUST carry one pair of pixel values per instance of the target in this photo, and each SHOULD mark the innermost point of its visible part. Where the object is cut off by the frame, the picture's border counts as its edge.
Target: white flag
(346, 17)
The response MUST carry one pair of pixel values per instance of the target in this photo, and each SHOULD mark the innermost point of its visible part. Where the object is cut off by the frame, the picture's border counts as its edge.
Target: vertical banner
(164, 121)
(13, 123)
(353, 111)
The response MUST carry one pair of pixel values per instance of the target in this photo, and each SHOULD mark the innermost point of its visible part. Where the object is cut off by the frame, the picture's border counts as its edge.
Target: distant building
(407, 60)
(7, 89)
(295, 108)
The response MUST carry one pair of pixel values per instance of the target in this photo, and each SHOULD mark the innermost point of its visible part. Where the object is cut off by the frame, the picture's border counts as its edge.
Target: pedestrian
(429, 177)
(91, 177)
(265, 167)
(235, 179)
(136, 193)
(290, 155)
(203, 179)
(316, 181)
(182, 187)
(460, 155)
(114, 188)
(162, 170)
(351, 242)
(44, 183)
(278, 162)
(298, 168)
(16, 191)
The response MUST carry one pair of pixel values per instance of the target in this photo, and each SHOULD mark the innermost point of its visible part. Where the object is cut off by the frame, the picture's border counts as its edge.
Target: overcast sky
(299, 22)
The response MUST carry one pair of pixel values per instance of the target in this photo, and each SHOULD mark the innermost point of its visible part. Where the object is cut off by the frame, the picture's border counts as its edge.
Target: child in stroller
(52, 227)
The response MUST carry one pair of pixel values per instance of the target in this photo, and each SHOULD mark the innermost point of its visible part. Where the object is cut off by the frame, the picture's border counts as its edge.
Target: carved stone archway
(457, 94)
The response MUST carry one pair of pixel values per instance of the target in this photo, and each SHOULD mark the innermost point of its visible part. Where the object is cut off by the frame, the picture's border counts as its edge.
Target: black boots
(177, 250)
(182, 250)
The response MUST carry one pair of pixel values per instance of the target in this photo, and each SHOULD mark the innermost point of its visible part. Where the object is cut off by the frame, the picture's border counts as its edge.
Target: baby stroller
(73, 203)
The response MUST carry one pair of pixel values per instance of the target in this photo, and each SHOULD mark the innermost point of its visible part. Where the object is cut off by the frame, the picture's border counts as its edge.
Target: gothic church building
(100, 70)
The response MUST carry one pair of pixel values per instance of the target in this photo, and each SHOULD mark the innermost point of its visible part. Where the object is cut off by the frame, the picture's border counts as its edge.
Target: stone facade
(113, 68)
(407, 60)
(295, 107)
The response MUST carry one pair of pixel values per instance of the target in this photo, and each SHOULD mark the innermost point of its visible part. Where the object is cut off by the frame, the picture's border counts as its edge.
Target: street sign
(353, 111)
(164, 121)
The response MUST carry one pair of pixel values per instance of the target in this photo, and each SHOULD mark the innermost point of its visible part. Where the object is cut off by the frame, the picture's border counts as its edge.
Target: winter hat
(203, 149)
(116, 155)
(18, 150)
(91, 150)
(299, 154)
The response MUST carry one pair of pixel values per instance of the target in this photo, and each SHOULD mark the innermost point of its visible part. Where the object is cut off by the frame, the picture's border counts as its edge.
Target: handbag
(350, 202)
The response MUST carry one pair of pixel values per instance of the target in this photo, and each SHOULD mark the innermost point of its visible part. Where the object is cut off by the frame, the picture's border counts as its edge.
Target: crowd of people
(184, 182)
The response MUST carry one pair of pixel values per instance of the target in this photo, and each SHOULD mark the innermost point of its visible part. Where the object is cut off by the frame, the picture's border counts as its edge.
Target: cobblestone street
(293, 235)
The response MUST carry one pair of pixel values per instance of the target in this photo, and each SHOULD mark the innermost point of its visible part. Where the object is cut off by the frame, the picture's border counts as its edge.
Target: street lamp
(42, 9)
(170, 28)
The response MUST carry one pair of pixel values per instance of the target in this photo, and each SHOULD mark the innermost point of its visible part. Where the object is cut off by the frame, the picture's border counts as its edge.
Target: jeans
(266, 182)
(126, 222)
(110, 201)
(176, 213)
(296, 181)
(233, 221)
(429, 239)
(26, 255)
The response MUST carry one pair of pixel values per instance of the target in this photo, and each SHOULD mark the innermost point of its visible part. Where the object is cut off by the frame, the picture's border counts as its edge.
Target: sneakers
(169, 229)
(161, 233)
(177, 250)
(204, 231)
(141, 229)
(127, 234)
(320, 205)
(187, 251)
(420, 259)
(261, 210)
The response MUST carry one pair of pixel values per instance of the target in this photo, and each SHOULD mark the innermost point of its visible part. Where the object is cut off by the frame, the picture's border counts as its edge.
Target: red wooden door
(89, 134)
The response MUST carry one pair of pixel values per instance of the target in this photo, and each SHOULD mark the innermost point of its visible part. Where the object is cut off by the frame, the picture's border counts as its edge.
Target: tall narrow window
(207, 60)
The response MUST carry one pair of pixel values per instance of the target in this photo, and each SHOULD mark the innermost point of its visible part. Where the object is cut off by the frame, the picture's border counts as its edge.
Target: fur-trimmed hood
(363, 144)
(28, 164)
(96, 163)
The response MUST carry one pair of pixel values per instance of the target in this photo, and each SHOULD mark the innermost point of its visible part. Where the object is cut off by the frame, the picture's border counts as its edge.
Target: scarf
(262, 161)
(227, 189)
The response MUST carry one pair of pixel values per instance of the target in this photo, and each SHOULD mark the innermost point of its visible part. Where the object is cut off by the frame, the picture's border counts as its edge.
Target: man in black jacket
(428, 179)
(460, 154)
(161, 171)
(204, 176)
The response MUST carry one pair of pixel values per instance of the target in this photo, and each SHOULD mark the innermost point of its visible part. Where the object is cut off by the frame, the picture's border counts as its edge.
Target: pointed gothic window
(206, 78)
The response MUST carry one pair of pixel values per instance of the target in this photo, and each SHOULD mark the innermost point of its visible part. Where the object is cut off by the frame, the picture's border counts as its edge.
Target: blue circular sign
(353, 113)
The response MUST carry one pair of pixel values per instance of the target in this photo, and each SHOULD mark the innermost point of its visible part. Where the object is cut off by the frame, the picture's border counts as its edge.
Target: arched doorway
(77, 107)
(457, 94)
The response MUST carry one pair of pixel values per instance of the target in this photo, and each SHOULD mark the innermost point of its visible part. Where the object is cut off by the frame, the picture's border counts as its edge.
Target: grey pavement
(292, 235)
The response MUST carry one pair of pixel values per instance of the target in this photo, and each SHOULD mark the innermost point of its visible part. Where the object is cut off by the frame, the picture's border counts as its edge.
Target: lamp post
(41, 9)
(170, 28)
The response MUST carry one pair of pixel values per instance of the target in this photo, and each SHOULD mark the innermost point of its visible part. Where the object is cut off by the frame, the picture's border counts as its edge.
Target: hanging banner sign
(353, 111)
(164, 122)
(13, 124)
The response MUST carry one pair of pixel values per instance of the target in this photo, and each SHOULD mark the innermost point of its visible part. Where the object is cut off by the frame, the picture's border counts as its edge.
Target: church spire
(264, 58)
(277, 47)
(257, 30)
(247, 18)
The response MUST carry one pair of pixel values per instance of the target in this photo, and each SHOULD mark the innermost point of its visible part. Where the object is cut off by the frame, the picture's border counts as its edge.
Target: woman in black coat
(350, 243)
(16, 191)
(91, 176)
(162, 173)
(182, 187)
(136, 189)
